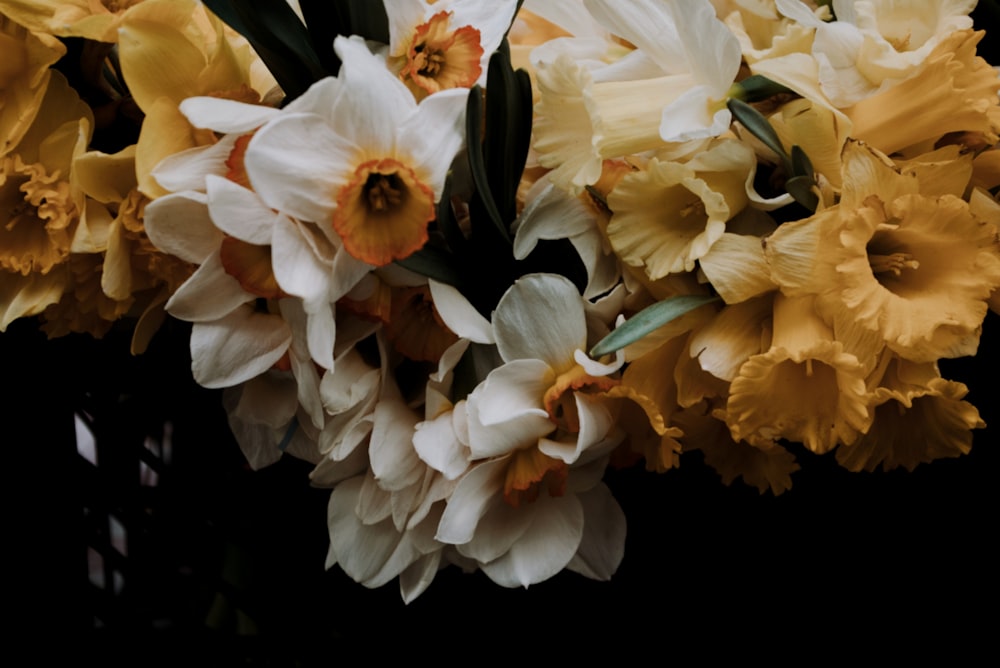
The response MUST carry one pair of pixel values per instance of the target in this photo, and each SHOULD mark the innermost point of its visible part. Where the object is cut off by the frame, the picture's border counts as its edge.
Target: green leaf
(433, 263)
(801, 189)
(759, 127)
(279, 38)
(508, 130)
(647, 320)
(801, 164)
(757, 87)
(477, 161)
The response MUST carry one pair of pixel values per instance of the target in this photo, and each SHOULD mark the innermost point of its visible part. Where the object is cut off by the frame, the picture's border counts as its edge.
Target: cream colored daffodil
(668, 215)
(875, 43)
(669, 92)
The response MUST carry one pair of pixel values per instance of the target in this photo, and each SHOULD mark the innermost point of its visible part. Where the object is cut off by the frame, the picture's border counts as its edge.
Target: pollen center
(383, 191)
(383, 212)
(440, 57)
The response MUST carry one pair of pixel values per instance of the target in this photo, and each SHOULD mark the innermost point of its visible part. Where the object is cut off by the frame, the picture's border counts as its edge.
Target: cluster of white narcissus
(450, 437)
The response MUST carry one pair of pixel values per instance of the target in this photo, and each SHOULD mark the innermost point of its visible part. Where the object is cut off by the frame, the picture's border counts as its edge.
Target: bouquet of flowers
(464, 256)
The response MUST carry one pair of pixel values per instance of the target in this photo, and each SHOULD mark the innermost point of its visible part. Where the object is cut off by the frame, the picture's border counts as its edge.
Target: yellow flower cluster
(73, 191)
(831, 324)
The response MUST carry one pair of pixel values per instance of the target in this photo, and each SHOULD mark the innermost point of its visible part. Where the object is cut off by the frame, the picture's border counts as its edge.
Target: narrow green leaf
(801, 164)
(448, 223)
(757, 87)
(508, 130)
(648, 320)
(477, 163)
(801, 189)
(759, 127)
(433, 263)
(278, 37)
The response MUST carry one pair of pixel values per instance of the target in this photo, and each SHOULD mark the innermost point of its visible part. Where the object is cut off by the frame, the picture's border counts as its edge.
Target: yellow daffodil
(40, 206)
(919, 417)
(892, 266)
(171, 50)
(25, 58)
(669, 215)
(955, 91)
(805, 388)
(91, 19)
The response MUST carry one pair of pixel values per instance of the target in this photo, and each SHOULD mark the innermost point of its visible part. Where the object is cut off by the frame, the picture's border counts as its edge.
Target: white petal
(546, 548)
(541, 317)
(459, 315)
(689, 117)
(321, 332)
(239, 212)
(497, 532)
(416, 577)
(595, 422)
(505, 411)
(179, 224)
(353, 381)
(226, 116)
(369, 554)
(552, 214)
(713, 52)
(435, 133)
(438, 446)
(320, 98)
(476, 492)
(646, 23)
(238, 347)
(208, 294)
(603, 544)
(394, 461)
(296, 164)
(187, 170)
(297, 268)
(373, 102)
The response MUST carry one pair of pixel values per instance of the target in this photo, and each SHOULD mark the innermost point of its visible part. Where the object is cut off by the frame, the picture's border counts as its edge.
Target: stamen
(894, 263)
(383, 191)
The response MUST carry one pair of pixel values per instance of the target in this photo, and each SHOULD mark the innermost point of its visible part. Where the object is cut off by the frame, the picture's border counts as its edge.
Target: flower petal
(238, 347)
(209, 294)
(179, 224)
(541, 317)
(545, 548)
(239, 212)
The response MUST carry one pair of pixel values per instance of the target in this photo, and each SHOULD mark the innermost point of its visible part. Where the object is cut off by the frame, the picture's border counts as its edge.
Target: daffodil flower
(370, 164)
(435, 46)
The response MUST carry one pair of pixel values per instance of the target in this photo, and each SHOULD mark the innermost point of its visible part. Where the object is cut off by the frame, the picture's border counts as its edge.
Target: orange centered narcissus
(560, 403)
(440, 57)
(383, 212)
(251, 266)
(527, 471)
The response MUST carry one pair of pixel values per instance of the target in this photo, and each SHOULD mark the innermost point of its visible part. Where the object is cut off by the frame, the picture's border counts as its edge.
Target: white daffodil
(369, 161)
(434, 46)
(540, 432)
